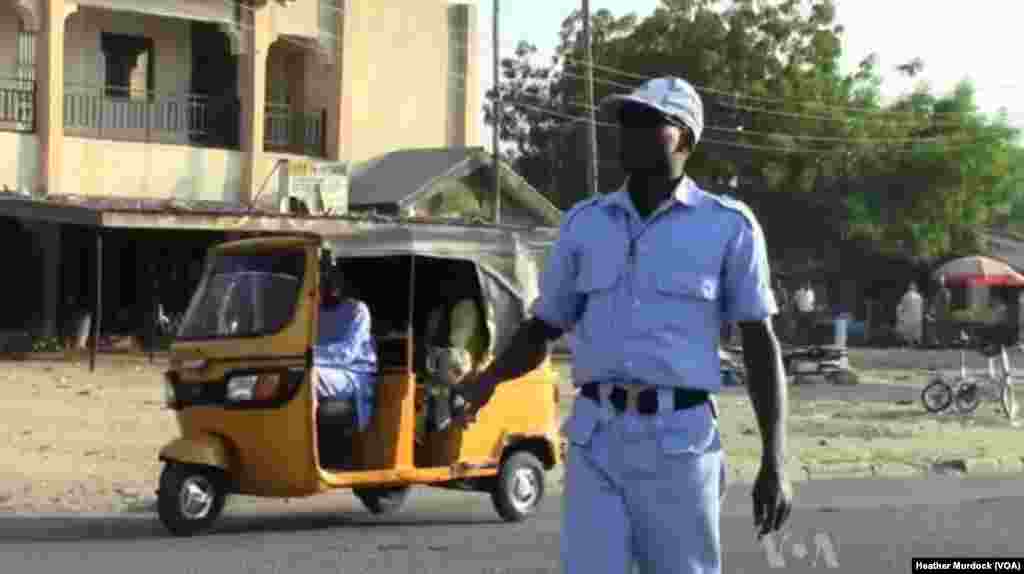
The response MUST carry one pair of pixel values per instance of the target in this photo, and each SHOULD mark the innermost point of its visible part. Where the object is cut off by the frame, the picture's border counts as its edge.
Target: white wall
(96, 167)
(19, 160)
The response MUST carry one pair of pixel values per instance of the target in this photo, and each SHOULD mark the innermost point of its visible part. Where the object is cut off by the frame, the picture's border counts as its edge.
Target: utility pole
(592, 128)
(498, 115)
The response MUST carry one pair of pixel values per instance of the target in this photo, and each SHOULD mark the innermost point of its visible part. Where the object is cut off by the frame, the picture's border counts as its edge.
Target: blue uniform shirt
(646, 299)
(346, 357)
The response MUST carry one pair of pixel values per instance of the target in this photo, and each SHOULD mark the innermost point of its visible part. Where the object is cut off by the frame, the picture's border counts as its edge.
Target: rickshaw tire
(501, 492)
(172, 479)
(382, 500)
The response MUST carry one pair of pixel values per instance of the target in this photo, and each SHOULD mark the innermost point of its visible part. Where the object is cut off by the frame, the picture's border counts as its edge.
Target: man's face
(648, 141)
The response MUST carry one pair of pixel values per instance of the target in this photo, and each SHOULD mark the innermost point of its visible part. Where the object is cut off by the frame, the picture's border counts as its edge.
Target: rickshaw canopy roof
(512, 255)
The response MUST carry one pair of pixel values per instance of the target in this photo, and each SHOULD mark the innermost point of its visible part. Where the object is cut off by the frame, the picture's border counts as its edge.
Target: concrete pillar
(472, 84)
(253, 82)
(338, 126)
(50, 90)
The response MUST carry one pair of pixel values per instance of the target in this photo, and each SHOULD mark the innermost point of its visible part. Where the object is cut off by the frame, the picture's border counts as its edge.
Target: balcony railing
(301, 132)
(186, 119)
(17, 105)
(190, 119)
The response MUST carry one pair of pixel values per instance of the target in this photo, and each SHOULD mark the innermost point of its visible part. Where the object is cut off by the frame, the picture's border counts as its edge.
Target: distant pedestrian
(804, 299)
(909, 315)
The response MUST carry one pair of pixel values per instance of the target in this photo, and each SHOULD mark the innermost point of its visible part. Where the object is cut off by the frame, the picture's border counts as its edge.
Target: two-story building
(201, 99)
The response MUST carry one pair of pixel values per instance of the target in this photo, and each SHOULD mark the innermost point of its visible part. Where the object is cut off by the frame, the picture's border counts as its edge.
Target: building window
(129, 66)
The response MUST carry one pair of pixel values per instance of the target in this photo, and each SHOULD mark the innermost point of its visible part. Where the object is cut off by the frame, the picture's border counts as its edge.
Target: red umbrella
(978, 270)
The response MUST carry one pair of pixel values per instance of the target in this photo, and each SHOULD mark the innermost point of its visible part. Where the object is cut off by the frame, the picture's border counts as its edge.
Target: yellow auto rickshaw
(241, 378)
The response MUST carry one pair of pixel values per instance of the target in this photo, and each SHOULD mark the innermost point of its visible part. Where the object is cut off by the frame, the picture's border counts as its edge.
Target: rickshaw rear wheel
(382, 500)
(191, 498)
(519, 487)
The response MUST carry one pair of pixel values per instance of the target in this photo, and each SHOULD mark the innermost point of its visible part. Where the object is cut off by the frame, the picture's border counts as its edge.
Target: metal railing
(301, 132)
(17, 105)
(191, 119)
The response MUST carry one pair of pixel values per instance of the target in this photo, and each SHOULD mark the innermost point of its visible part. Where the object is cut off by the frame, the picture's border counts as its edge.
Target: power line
(865, 114)
(566, 59)
(764, 99)
(742, 130)
(923, 122)
(584, 120)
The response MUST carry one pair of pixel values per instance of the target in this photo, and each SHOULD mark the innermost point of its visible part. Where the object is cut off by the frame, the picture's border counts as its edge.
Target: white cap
(671, 96)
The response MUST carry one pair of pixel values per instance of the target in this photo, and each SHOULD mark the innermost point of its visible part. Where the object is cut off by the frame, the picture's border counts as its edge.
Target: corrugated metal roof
(396, 176)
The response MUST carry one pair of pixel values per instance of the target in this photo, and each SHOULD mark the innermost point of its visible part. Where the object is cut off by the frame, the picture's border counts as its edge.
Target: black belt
(646, 400)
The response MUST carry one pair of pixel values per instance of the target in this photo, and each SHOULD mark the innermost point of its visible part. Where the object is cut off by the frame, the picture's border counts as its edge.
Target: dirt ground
(87, 442)
(80, 441)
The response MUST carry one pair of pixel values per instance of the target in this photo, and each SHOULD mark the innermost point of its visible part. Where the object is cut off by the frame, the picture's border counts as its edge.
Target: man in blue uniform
(645, 277)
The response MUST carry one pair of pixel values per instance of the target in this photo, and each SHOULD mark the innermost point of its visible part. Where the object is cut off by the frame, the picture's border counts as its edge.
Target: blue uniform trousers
(642, 490)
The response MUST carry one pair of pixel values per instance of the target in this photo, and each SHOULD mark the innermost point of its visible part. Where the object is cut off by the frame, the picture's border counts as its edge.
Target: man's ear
(685, 146)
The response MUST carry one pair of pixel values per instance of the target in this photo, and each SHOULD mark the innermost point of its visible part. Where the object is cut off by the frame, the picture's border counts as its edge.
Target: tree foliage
(920, 175)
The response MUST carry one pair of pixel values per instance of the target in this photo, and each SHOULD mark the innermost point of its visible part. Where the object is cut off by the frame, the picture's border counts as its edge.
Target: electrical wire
(586, 121)
(939, 140)
(923, 122)
(741, 130)
(865, 114)
(763, 99)
(736, 94)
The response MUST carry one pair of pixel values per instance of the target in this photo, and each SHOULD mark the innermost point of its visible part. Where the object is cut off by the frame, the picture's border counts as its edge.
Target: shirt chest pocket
(685, 287)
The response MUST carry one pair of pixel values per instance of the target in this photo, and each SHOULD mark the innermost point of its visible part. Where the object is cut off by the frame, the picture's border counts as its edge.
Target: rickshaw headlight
(264, 387)
(241, 388)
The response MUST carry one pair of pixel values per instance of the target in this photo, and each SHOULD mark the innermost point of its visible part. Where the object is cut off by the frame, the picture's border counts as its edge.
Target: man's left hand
(773, 499)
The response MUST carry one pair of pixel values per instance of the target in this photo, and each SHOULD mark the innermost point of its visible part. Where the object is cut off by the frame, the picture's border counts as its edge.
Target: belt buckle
(633, 391)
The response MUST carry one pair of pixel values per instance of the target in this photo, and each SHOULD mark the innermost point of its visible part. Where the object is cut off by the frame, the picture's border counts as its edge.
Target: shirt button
(636, 302)
(629, 364)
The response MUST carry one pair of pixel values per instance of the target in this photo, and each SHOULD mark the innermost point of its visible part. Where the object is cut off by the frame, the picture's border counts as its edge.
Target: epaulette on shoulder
(579, 208)
(736, 205)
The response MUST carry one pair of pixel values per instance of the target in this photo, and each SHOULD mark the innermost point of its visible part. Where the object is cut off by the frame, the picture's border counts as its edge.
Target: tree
(920, 176)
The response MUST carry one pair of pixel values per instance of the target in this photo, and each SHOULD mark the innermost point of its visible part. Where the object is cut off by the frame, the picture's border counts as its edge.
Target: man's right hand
(469, 397)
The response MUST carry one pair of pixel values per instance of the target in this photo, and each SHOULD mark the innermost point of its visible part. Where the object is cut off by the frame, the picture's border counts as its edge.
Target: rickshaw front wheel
(191, 498)
(382, 500)
(520, 486)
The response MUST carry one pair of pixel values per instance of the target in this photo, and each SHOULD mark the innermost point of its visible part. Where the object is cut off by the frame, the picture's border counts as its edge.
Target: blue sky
(954, 43)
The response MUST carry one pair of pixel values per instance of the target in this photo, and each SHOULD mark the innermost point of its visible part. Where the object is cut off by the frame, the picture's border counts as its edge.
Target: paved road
(872, 526)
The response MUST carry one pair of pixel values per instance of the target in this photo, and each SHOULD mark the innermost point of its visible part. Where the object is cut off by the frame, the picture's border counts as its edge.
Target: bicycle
(966, 392)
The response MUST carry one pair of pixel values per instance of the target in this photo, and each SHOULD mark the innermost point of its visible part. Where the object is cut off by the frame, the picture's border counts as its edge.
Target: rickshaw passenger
(457, 343)
(345, 356)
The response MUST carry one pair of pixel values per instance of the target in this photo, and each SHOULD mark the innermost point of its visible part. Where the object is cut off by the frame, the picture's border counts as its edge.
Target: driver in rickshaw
(345, 356)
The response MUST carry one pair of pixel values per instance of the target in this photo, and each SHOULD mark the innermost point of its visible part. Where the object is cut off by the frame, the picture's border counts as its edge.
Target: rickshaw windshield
(245, 296)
